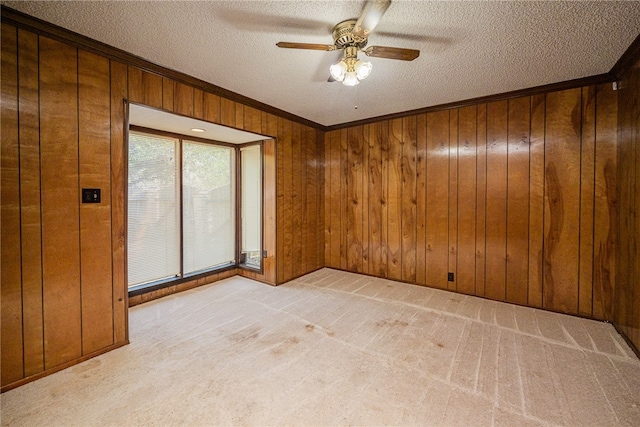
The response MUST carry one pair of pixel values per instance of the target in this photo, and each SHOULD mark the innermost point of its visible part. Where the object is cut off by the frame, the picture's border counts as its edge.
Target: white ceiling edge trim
(152, 118)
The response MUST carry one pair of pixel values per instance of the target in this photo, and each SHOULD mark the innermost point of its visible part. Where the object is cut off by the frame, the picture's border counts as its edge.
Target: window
(251, 203)
(182, 208)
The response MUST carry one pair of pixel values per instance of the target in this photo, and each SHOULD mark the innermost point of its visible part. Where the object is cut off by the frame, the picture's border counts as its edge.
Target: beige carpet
(335, 348)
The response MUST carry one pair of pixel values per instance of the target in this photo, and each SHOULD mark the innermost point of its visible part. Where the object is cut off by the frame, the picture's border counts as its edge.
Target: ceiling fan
(352, 36)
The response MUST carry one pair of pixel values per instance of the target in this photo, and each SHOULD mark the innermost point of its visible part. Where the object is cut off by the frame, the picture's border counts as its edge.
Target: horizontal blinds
(208, 206)
(251, 194)
(153, 209)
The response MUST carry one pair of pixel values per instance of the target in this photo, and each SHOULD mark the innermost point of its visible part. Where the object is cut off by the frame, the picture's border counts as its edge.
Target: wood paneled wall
(517, 198)
(63, 263)
(627, 292)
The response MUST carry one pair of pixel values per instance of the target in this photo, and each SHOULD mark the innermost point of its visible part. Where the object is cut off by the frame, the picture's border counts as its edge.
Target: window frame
(147, 287)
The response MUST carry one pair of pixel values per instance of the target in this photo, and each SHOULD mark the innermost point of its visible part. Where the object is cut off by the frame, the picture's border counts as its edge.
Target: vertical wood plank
(198, 104)
(437, 207)
(144, 87)
(326, 167)
(227, 112)
(285, 211)
(466, 228)
(562, 200)
(335, 202)
(587, 192)
(239, 116)
(536, 199)
(382, 135)
(606, 202)
(481, 198)
(366, 134)
(496, 219)
(375, 202)
(312, 209)
(211, 107)
(30, 220)
(518, 200)
(421, 188)
(453, 199)
(394, 238)
(269, 209)
(118, 201)
(12, 336)
(280, 198)
(409, 220)
(94, 104)
(297, 192)
(183, 99)
(354, 198)
(252, 120)
(167, 93)
(60, 210)
(344, 202)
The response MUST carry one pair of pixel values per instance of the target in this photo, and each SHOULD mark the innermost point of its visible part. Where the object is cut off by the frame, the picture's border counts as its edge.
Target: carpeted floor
(335, 348)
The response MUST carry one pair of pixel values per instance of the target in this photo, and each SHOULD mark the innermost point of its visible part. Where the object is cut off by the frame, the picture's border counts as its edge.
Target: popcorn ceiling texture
(337, 348)
(468, 49)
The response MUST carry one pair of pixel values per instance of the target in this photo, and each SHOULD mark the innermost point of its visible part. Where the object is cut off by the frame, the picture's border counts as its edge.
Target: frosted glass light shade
(350, 79)
(363, 69)
(338, 71)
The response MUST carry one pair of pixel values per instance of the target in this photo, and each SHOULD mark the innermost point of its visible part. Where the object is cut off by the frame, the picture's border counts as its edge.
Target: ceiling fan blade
(371, 14)
(311, 46)
(392, 53)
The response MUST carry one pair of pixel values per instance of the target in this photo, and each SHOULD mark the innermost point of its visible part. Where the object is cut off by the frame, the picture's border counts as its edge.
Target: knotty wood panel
(466, 216)
(167, 93)
(211, 107)
(297, 192)
(421, 189)
(366, 135)
(333, 255)
(453, 198)
(375, 203)
(354, 205)
(562, 200)
(344, 202)
(394, 232)
(587, 181)
(240, 116)
(198, 104)
(227, 112)
(183, 99)
(144, 87)
(496, 195)
(518, 201)
(311, 259)
(627, 295)
(536, 199)
(252, 120)
(12, 357)
(118, 197)
(481, 198)
(60, 211)
(605, 213)
(95, 219)
(437, 198)
(269, 209)
(30, 219)
(409, 196)
(382, 135)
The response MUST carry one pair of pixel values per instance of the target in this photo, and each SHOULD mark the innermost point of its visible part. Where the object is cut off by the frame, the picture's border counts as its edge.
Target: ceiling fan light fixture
(351, 79)
(363, 69)
(338, 71)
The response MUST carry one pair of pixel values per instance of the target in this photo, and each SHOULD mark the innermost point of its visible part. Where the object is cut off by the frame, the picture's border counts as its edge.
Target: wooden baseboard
(58, 368)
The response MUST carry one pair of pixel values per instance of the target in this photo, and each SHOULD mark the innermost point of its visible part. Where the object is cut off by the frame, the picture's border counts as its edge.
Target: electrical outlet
(264, 253)
(450, 277)
(90, 195)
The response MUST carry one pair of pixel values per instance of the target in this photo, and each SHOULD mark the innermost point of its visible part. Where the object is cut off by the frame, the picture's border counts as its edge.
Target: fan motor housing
(343, 35)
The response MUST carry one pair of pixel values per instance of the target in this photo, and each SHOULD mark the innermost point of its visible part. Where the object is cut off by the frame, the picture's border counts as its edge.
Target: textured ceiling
(468, 49)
